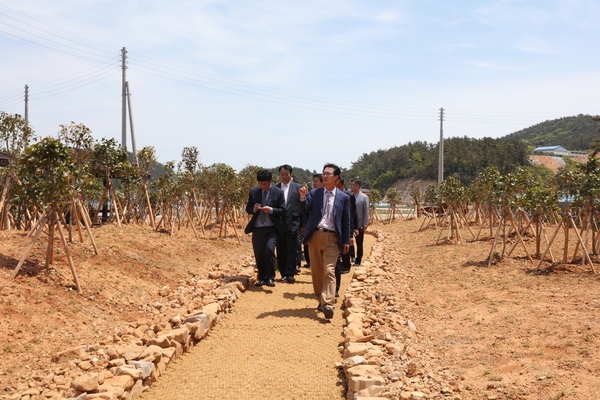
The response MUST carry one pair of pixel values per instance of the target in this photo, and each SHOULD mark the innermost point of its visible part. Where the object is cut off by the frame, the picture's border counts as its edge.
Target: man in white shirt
(327, 233)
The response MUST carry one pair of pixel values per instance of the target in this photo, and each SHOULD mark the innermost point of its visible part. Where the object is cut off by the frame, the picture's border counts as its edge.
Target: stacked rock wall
(385, 354)
(123, 367)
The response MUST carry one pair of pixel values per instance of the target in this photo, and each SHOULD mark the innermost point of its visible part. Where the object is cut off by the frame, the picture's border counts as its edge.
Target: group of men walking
(329, 219)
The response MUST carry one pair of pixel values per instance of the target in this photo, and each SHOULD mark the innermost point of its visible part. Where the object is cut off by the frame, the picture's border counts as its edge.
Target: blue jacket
(312, 207)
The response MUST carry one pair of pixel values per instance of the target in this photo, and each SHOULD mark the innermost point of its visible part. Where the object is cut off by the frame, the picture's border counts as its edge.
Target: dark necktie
(262, 217)
(328, 195)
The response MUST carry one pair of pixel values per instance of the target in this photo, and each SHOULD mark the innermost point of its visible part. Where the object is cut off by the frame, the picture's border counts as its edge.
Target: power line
(217, 83)
(35, 96)
(241, 85)
(48, 47)
(272, 100)
(65, 82)
(348, 110)
(109, 49)
(63, 87)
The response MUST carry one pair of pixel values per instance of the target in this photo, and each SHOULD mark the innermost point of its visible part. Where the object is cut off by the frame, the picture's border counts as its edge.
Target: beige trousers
(323, 251)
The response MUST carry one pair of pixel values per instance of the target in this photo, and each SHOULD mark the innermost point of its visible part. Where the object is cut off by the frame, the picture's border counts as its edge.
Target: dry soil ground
(531, 336)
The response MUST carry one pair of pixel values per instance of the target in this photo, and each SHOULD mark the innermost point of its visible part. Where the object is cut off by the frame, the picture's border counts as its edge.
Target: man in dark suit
(343, 264)
(327, 233)
(287, 244)
(266, 204)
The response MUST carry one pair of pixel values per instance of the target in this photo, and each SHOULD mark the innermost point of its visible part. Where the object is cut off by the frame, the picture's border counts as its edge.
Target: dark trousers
(342, 264)
(338, 274)
(264, 241)
(299, 250)
(306, 256)
(287, 253)
(360, 239)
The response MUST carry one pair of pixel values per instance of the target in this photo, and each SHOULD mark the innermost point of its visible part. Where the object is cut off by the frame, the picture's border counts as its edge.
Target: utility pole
(26, 103)
(441, 148)
(123, 100)
(133, 149)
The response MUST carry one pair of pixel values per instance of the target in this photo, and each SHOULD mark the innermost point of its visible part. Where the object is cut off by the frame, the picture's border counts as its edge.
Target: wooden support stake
(520, 238)
(190, 218)
(49, 255)
(39, 230)
(113, 197)
(494, 244)
(78, 217)
(560, 225)
(585, 252)
(67, 252)
(88, 229)
(37, 223)
(149, 205)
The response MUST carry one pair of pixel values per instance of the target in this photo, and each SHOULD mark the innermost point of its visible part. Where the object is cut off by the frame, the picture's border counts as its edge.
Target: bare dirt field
(506, 331)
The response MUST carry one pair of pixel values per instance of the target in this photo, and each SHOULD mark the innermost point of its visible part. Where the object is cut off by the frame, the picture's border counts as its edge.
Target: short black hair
(286, 167)
(318, 176)
(341, 180)
(264, 175)
(357, 181)
(336, 169)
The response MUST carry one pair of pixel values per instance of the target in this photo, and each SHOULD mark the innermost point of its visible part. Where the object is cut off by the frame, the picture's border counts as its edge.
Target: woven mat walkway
(274, 345)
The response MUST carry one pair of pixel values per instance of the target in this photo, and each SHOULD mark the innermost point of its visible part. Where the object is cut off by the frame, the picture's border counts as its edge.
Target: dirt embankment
(507, 332)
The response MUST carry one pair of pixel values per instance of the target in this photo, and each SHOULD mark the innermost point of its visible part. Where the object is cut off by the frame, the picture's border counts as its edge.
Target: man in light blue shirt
(362, 211)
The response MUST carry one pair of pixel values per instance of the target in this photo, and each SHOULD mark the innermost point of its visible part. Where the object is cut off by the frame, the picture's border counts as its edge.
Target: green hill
(466, 157)
(572, 133)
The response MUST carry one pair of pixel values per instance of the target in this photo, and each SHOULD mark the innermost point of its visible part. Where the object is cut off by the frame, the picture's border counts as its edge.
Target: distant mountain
(572, 133)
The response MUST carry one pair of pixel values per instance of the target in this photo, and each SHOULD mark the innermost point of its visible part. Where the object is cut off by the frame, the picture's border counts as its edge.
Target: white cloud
(388, 16)
(503, 57)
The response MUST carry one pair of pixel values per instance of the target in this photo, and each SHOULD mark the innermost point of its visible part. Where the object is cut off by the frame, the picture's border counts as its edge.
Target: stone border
(140, 353)
(385, 355)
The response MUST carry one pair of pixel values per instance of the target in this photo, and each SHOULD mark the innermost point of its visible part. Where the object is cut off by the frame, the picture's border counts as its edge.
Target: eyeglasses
(327, 173)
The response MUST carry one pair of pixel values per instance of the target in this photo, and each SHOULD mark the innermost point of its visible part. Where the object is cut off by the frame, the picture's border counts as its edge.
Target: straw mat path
(274, 345)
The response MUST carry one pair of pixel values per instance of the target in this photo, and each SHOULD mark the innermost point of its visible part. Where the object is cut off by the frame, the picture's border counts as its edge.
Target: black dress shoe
(345, 271)
(270, 283)
(259, 283)
(291, 279)
(319, 307)
(283, 279)
(328, 312)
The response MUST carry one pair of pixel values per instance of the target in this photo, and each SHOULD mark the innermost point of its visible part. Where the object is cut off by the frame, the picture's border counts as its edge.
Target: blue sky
(302, 83)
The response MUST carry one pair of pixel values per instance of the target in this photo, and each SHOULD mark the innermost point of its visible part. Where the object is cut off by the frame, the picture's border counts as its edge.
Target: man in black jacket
(267, 205)
(287, 243)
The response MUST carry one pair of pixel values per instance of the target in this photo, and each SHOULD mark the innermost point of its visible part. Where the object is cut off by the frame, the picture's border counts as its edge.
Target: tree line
(572, 133)
(464, 158)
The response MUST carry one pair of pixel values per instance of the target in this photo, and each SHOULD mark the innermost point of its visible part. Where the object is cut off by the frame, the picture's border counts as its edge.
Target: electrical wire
(339, 109)
(79, 85)
(236, 84)
(109, 49)
(48, 47)
(75, 81)
(217, 83)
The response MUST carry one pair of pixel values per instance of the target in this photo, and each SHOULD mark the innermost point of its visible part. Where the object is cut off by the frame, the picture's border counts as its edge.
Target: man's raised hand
(303, 191)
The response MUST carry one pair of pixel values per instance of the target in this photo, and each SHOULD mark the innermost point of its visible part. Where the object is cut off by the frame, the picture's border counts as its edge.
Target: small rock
(85, 383)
